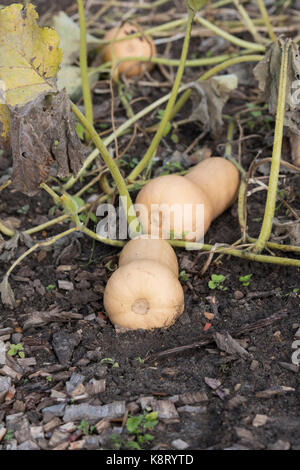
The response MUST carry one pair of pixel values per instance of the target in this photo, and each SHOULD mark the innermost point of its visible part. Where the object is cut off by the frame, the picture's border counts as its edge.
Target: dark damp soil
(205, 397)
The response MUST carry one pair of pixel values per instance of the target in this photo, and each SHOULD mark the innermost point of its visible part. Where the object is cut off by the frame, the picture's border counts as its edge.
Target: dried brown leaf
(226, 343)
(7, 295)
(213, 94)
(267, 72)
(44, 142)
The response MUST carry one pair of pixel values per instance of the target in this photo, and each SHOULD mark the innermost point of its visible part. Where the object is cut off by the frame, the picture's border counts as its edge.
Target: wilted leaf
(69, 75)
(213, 95)
(267, 72)
(295, 147)
(4, 128)
(69, 33)
(7, 295)
(36, 319)
(226, 343)
(8, 248)
(29, 55)
(196, 5)
(43, 139)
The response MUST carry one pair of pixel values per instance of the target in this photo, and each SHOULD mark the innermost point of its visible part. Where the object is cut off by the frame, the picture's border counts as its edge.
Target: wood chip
(259, 420)
(288, 366)
(65, 285)
(165, 409)
(102, 424)
(271, 392)
(244, 434)
(236, 401)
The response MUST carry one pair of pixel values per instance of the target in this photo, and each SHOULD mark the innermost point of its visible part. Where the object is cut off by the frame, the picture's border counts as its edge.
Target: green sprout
(9, 435)
(183, 276)
(85, 427)
(109, 361)
(216, 282)
(50, 287)
(16, 350)
(245, 280)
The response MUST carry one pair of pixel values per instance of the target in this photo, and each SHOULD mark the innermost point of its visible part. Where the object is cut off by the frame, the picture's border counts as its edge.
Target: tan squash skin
(137, 47)
(219, 179)
(143, 294)
(152, 249)
(169, 190)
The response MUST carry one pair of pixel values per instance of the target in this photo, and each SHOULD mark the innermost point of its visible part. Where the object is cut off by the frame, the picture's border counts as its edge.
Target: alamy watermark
(295, 94)
(177, 221)
(2, 92)
(296, 354)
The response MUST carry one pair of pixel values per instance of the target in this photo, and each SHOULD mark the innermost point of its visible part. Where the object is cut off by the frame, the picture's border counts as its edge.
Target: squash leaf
(29, 55)
(44, 142)
(4, 128)
(208, 98)
(42, 131)
(267, 72)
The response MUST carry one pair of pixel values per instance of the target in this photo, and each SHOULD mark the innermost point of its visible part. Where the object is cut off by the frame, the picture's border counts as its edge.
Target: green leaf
(151, 416)
(29, 55)
(133, 445)
(50, 287)
(133, 423)
(218, 278)
(80, 131)
(195, 5)
(175, 138)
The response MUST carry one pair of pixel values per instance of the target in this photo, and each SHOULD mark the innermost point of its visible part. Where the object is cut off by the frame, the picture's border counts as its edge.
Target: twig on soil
(276, 317)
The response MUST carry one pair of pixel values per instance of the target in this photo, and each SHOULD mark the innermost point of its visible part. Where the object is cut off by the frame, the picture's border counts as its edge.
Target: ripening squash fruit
(143, 294)
(170, 208)
(213, 183)
(142, 46)
(219, 179)
(152, 249)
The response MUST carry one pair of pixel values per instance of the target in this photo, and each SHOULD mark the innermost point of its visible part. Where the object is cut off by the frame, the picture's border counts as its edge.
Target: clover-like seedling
(16, 350)
(216, 282)
(245, 280)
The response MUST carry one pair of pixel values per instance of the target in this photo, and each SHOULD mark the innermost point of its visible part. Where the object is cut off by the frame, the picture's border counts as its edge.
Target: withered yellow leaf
(4, 127)
(29, 55)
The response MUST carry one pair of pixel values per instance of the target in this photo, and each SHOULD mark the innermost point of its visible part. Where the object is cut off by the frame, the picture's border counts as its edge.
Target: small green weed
(137, 428)
(216, 282)
(85, 427)
(16, 350)
(245, 280)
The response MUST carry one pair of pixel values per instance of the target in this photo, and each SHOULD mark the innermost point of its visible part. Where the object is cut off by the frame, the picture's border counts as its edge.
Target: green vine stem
(5, 185)
(112, 166)
(150, 31)
(52, 193)
(242, 208)
(229, 37)
(210, 73)
(38, 245)
(248, 21)
(123, 128)
(6, 230)
(237, 253)
(156, 104)
(166, 117)
(266, 20)
(88, 105)
(277, 145)
(277, 246)
(164, 61)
